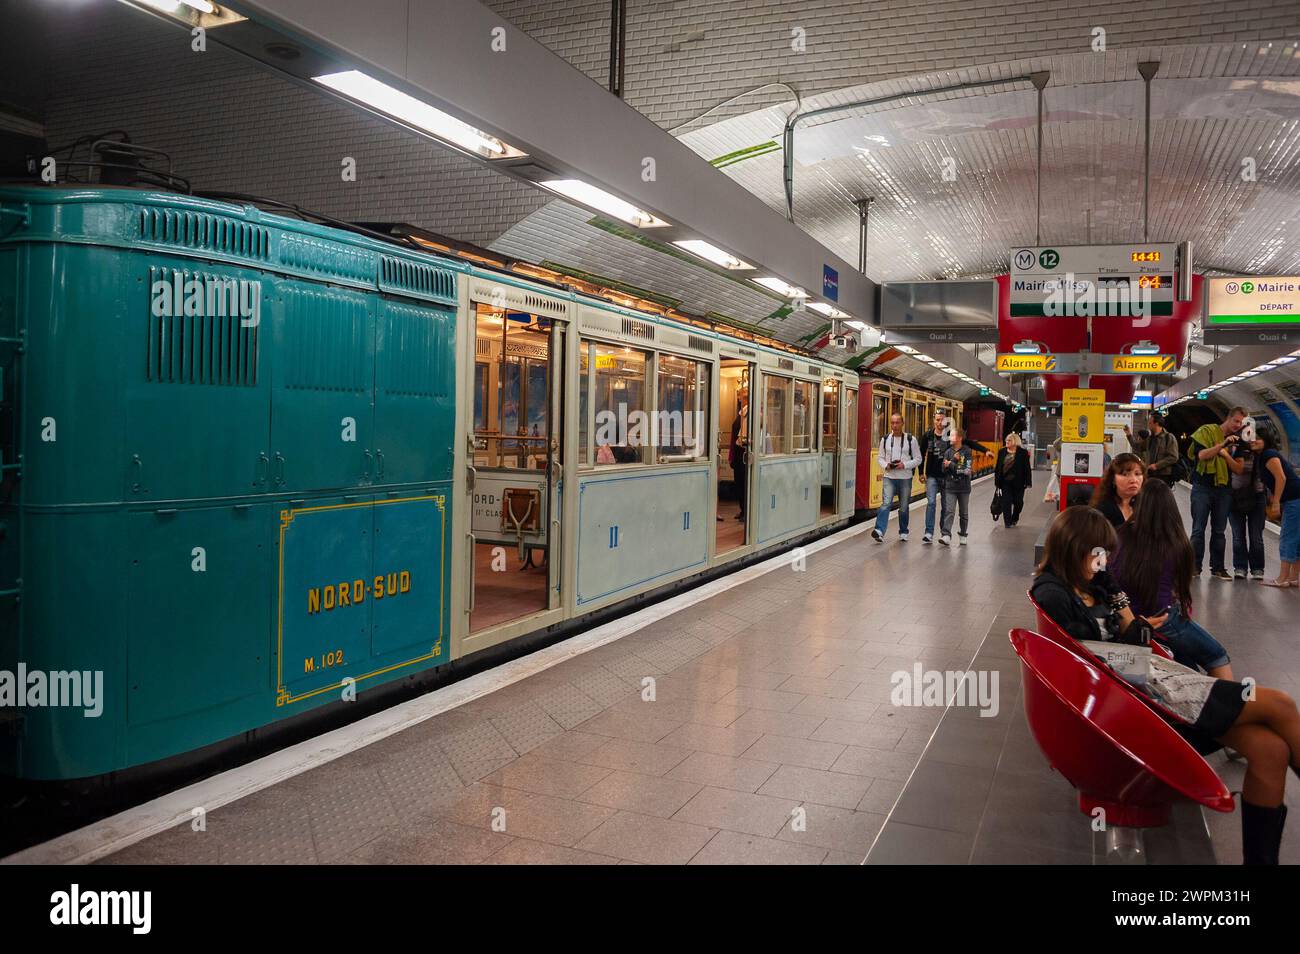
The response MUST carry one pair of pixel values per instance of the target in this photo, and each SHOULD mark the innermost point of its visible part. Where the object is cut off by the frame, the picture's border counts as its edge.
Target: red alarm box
(1076, 490)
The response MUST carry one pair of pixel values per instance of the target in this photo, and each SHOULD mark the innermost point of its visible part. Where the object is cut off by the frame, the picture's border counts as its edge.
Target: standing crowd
(946, 462)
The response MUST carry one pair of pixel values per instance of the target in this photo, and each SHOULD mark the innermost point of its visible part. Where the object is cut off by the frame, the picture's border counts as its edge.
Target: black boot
(1261, 833)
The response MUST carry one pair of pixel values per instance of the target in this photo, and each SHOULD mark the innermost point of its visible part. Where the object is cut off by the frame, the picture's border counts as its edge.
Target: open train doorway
(830, 456)
(734, 434)
(517, 433)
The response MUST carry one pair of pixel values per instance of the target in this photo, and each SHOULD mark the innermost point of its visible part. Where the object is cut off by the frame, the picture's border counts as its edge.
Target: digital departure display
(1152, 256)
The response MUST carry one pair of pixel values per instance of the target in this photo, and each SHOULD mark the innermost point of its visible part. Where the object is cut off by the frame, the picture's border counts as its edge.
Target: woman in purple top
(1154, 567)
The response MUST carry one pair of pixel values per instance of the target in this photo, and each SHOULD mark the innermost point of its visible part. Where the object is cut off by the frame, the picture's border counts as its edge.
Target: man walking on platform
(1159, 451)
(899, 456)
(1211, 494)
(958, 466)
(933, 445)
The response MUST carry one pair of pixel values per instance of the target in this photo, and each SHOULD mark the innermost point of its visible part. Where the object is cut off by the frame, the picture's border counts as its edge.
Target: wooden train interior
(734, 376)
(516, 436)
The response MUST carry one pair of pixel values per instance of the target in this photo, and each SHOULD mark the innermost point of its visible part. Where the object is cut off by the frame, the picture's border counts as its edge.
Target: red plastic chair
(1119, 754)
(1048, 628)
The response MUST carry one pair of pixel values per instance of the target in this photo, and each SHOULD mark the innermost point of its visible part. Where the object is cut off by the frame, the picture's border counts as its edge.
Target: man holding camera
(1159, 450)
(1212, 445)
(899, 456)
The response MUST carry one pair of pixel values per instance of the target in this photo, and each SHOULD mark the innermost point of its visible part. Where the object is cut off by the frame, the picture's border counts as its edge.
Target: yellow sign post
(1083, 415)
(1026, 362)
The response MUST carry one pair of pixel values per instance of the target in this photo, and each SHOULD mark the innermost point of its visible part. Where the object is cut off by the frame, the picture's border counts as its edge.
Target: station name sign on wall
(1093, 280)
(1252, 309)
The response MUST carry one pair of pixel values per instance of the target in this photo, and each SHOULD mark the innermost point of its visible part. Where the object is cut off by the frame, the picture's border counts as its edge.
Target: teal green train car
(257, 467)
(210, 409)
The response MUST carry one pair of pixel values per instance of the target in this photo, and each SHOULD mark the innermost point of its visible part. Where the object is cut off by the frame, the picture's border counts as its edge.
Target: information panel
(1248, 310)
(1093, 280)
(1083, 415)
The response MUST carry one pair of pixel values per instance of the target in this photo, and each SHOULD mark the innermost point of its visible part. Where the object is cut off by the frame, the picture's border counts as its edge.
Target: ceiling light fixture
(419, 115)
(711, 253)
(783, 288)
(587, 194)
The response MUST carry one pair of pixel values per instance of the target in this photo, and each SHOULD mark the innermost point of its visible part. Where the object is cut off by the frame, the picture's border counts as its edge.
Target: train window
(804, 431)
(775, 423)
(682, 415)
(830, 415)
(584, 391)
(481, 373)
(879, 415)
(850, 418)
(622, 420)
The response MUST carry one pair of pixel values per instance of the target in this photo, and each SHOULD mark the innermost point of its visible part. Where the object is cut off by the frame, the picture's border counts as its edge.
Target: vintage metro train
(256, 464)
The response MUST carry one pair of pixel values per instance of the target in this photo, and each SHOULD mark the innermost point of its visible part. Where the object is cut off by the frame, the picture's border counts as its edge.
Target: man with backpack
(899, 456)
(1159, 450)
(1210, 447)
(933, 445)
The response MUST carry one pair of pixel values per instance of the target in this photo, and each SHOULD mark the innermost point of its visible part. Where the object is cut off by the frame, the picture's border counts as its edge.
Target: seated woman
(1119, 487)
(1154, 567)
(1074, 589)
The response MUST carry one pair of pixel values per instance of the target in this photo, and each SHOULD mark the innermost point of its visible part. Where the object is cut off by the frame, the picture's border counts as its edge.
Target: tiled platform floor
(771, 738)
(983, 793)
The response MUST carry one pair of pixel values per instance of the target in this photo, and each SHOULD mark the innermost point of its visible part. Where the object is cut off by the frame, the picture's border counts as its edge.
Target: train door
(515, 486)
(735, 431)
(880, 412)
(830, 449)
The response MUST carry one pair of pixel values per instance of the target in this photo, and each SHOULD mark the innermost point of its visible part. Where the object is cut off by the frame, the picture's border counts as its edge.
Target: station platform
(771, 737)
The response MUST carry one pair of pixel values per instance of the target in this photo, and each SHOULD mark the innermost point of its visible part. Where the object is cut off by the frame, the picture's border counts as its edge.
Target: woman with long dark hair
(1073, 588)
(1154, 565)
(1282, 485)
(1119, 487)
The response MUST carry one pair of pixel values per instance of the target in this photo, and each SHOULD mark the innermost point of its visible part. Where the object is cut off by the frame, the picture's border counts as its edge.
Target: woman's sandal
(1282, 584)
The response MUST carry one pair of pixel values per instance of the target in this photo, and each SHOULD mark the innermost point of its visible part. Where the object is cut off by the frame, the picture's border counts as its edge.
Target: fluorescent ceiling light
(775, 284)
(906, 349)
(1262, 367)
(201, 5)
(830, 312)
(712, 253)
(1025, 347)
(602, 201)
(407, 109)
(1145, 347)
(1285, 359)
(862, 326)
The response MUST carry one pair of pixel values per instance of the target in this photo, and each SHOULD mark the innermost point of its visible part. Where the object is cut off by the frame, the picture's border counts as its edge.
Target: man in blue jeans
(1211, 494)
(933, 445)
(899, 455)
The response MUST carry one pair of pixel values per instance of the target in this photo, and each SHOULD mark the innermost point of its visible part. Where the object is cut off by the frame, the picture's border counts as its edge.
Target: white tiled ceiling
(1213, 108)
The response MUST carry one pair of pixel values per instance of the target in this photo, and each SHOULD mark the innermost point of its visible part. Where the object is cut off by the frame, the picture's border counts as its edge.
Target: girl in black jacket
(1073, 588)
(1011, 475)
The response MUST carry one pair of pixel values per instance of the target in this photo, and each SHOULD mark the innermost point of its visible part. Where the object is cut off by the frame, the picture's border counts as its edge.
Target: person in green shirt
(1210, 448)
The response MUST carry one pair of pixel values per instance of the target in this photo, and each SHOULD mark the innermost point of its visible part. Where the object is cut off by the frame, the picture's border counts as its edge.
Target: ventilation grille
(700, 344)
(638, 329)
(326, 258)
(482, 346)
(416, 359)
(219, 349)
(328, 344)
(507, 296)
(205, 232)
(416, 279)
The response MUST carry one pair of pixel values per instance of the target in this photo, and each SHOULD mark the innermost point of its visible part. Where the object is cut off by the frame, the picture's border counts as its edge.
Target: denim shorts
(1190, 643)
